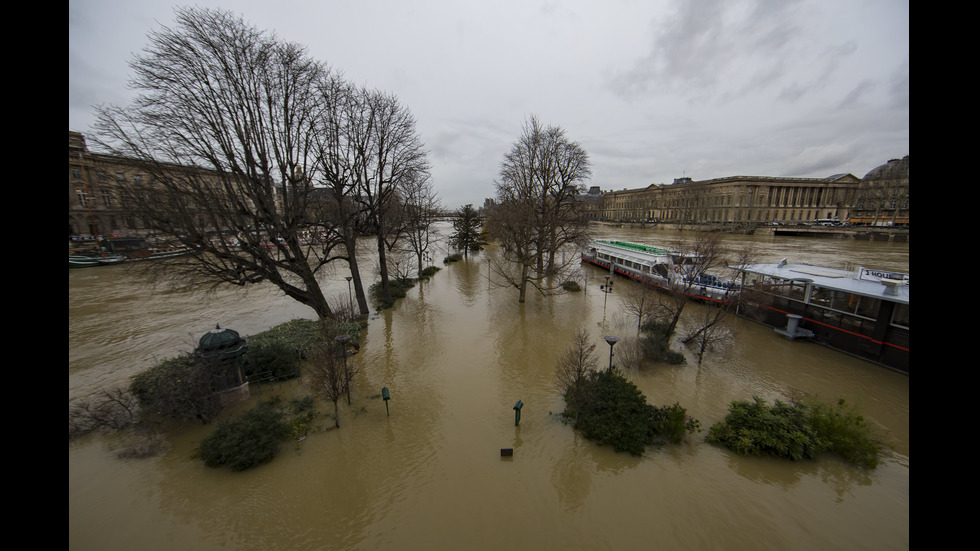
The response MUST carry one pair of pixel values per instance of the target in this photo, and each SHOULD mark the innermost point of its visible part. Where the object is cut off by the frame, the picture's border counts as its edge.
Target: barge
(862, 312)
(667, 269)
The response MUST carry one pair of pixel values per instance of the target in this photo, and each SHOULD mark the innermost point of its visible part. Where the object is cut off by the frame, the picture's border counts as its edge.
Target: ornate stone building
(94, 206)
(736, 200)
(883, 196)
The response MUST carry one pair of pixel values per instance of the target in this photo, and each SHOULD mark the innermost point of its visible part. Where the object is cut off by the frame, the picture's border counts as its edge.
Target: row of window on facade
(102, 177)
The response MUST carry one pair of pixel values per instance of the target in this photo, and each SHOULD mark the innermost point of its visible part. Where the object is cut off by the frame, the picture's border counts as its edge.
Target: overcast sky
(652, 89)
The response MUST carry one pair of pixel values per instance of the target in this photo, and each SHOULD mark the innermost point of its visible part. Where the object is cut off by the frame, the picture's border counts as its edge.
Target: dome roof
(218, 338)
(895, 169)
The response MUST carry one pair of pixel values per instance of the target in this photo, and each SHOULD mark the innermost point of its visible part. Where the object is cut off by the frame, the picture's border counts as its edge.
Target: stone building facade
(94, 204)
(883, 196)
(736, 200)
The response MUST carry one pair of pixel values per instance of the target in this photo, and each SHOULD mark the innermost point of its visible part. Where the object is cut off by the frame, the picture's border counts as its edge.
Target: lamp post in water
(350, 297)
(612, 342)
(607, 288)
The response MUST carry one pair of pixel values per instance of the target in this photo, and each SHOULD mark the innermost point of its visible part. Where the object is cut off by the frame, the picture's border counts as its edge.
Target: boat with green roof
(667, 269)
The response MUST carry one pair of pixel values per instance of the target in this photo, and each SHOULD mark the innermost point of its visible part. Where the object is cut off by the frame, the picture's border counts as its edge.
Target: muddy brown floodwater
(457, 354)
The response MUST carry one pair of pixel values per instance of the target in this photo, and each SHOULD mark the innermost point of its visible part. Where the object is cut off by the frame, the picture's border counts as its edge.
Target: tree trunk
(350, 243)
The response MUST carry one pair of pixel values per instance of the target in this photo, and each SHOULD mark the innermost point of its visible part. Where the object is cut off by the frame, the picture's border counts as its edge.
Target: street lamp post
(607, 288)
(612, 342)
(350, 297)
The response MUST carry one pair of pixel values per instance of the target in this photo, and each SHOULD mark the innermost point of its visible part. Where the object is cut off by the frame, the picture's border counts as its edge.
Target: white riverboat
(668, 269)
(861, 311)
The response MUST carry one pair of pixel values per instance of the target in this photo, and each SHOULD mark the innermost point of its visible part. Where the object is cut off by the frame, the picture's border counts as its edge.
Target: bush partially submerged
(609, 409)
(254, 437)
(399, 287)
(276, 352)
(796, 431)
(177, 388)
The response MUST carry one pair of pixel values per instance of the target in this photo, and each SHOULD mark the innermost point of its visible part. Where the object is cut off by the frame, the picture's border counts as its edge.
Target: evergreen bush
(178, 388)
(277, 352)
(796, 431)
(254, 438)
(571, 286)
(610, 409)
(246, 441)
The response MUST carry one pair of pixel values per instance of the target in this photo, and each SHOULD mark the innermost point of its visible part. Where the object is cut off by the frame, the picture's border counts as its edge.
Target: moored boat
(87, 260)
(863, 312)
(667, 269)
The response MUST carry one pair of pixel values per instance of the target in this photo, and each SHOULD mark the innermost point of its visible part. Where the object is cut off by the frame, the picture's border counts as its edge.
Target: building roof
(895, 169)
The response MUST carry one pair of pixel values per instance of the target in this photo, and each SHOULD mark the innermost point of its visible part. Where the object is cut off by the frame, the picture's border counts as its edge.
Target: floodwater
(457, 354)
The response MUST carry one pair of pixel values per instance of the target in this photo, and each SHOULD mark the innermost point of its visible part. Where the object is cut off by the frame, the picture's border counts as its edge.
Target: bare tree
(113, 409)
(223, 128)
(705, 256)
(330, 368)
(640, 301)
(420, 209)
(538, 211)
(708, 330)
(341, 144)
(393, 159)
(574, 366)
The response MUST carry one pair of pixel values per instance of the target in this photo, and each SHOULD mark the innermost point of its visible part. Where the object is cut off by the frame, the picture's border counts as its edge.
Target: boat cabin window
(900, 316)
(788, 288)
(842, 301)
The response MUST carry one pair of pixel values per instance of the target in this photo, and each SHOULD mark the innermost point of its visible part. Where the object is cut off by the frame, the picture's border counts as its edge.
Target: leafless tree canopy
(538, 211)
(331, 371)
(259, 158)
(420, 210)
(574, 365)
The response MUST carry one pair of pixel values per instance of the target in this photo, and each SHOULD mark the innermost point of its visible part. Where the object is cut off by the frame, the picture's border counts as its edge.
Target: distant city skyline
(653, 91)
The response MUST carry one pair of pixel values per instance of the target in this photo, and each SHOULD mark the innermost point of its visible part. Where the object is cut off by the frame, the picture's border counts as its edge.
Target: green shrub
(455, 257)
(246, 441)
(609, 409)
(430, 271)
(845, 432)
(571, 286)
(795, 431)
(254, 437)
(178, 388)
(277, 351)
(399, 287)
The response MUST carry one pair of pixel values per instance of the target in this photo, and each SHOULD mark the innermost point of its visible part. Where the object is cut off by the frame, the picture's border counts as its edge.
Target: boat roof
(637, 247)
(882, 284)
(636, 252)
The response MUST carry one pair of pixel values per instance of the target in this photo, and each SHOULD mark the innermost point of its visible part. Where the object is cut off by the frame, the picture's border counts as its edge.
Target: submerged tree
(539, 211)
(466, 230)
(222, 128)
(331, 370)
(574, 366)
(420, 210)
(260, 160)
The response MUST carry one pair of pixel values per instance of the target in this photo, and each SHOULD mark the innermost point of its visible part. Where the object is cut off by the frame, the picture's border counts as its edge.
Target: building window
(83, 198)
(76, 173)
(106, 199)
